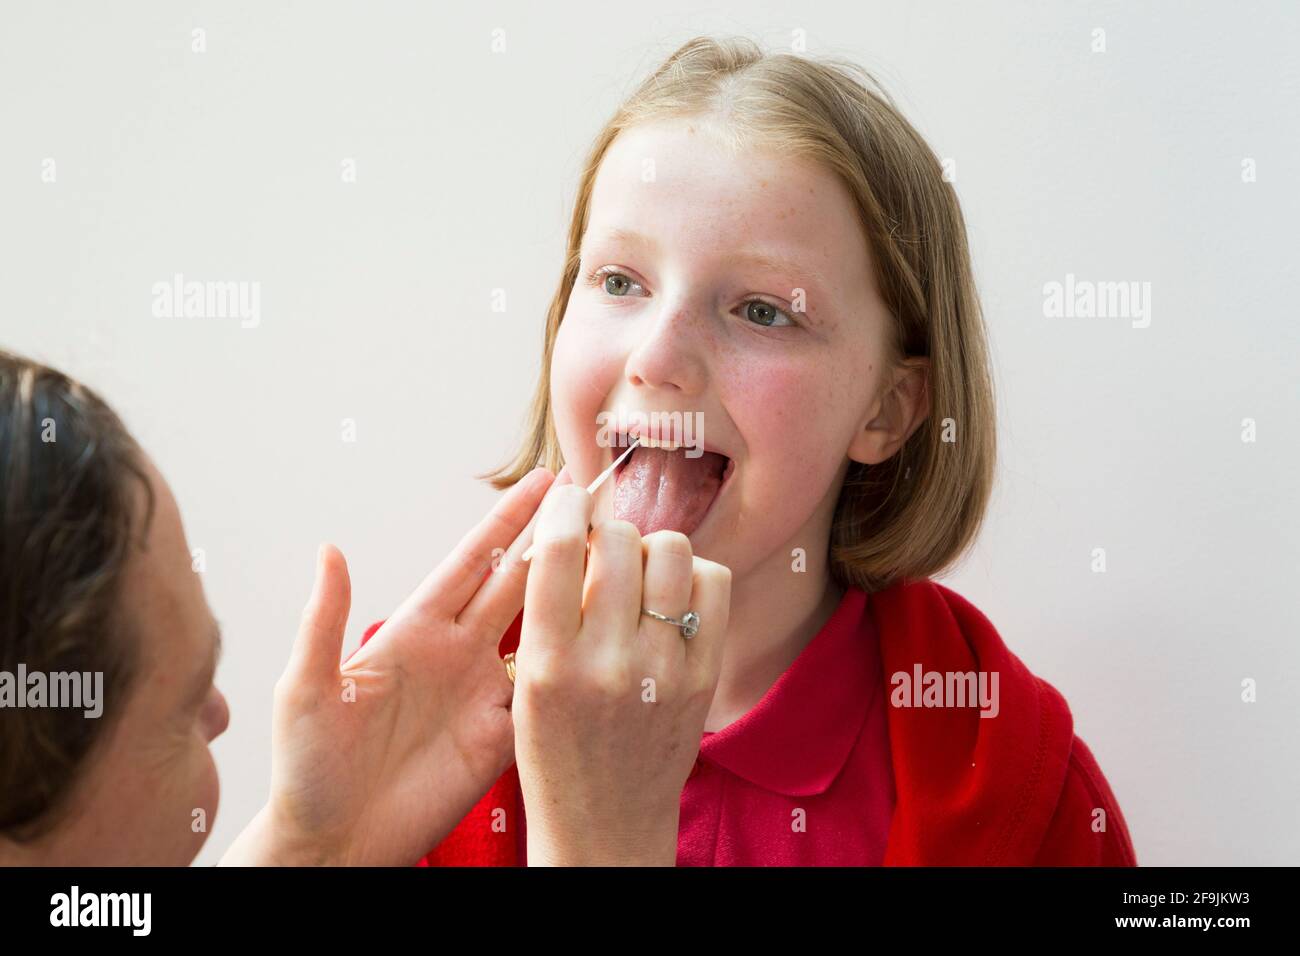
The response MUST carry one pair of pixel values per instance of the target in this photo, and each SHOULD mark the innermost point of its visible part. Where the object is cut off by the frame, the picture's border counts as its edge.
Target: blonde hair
(915, 514)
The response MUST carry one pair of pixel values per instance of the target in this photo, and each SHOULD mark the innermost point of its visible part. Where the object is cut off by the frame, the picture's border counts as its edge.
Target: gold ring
(509, 661)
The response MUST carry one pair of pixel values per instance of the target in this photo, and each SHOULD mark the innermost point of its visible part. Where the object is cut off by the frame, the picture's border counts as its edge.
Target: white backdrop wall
(1132, 164)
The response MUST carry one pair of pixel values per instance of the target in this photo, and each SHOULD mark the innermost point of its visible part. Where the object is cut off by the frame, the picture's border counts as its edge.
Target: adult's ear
(896, 413)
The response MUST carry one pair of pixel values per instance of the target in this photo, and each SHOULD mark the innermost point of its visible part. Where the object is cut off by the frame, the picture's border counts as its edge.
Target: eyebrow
(763, 260)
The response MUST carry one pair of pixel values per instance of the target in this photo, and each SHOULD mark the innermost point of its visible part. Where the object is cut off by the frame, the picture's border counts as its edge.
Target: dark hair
(67, 509)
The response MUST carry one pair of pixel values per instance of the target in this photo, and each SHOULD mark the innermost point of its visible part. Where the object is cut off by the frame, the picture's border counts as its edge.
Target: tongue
(659, 489)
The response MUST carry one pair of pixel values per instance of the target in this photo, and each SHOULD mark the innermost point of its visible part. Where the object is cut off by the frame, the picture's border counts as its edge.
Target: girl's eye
(612, 282)
(766, 314)
(619, 285)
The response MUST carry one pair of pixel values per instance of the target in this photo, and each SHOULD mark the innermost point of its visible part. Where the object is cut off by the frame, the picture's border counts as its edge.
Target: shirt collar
(797, 738)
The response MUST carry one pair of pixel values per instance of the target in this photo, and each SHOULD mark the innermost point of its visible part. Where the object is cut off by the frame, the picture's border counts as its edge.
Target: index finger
(553, 593)
(449, 586)
(498, 601)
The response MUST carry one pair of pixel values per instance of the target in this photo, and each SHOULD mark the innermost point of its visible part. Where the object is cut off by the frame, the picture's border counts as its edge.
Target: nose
(216, 715)
(670, 354)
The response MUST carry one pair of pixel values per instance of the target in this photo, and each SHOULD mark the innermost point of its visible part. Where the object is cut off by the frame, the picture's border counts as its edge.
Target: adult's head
(105, 637)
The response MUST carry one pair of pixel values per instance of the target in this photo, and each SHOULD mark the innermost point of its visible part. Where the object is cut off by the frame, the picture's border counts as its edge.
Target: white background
(1115, 166)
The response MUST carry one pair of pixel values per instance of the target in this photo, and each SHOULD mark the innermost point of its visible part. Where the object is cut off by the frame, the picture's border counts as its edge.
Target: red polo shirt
(804, 777)
(833, 766)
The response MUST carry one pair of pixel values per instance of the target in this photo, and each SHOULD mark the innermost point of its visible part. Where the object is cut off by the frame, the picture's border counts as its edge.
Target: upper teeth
(656, 442)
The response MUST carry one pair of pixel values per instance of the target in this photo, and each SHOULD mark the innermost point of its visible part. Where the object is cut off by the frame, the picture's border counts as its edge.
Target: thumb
(319, 646)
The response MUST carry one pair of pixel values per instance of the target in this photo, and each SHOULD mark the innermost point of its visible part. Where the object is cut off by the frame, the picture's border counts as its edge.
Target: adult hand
(609, 704)
(376, 759)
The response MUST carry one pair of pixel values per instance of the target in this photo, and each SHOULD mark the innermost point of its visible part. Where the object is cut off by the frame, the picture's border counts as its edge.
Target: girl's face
(737, 290)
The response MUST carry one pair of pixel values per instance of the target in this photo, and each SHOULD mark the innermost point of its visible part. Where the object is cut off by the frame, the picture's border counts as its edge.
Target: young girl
(765, 243)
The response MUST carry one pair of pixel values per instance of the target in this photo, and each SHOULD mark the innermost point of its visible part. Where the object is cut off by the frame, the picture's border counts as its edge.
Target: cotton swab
(591, 488)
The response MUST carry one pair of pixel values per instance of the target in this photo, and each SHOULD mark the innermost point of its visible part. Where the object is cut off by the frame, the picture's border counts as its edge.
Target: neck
(775, 613)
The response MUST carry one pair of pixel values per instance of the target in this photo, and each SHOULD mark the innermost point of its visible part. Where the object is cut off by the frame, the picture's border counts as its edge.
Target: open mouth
(662, 487)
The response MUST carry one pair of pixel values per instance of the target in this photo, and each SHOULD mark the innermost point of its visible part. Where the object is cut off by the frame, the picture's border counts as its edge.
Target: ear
(898, 413)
